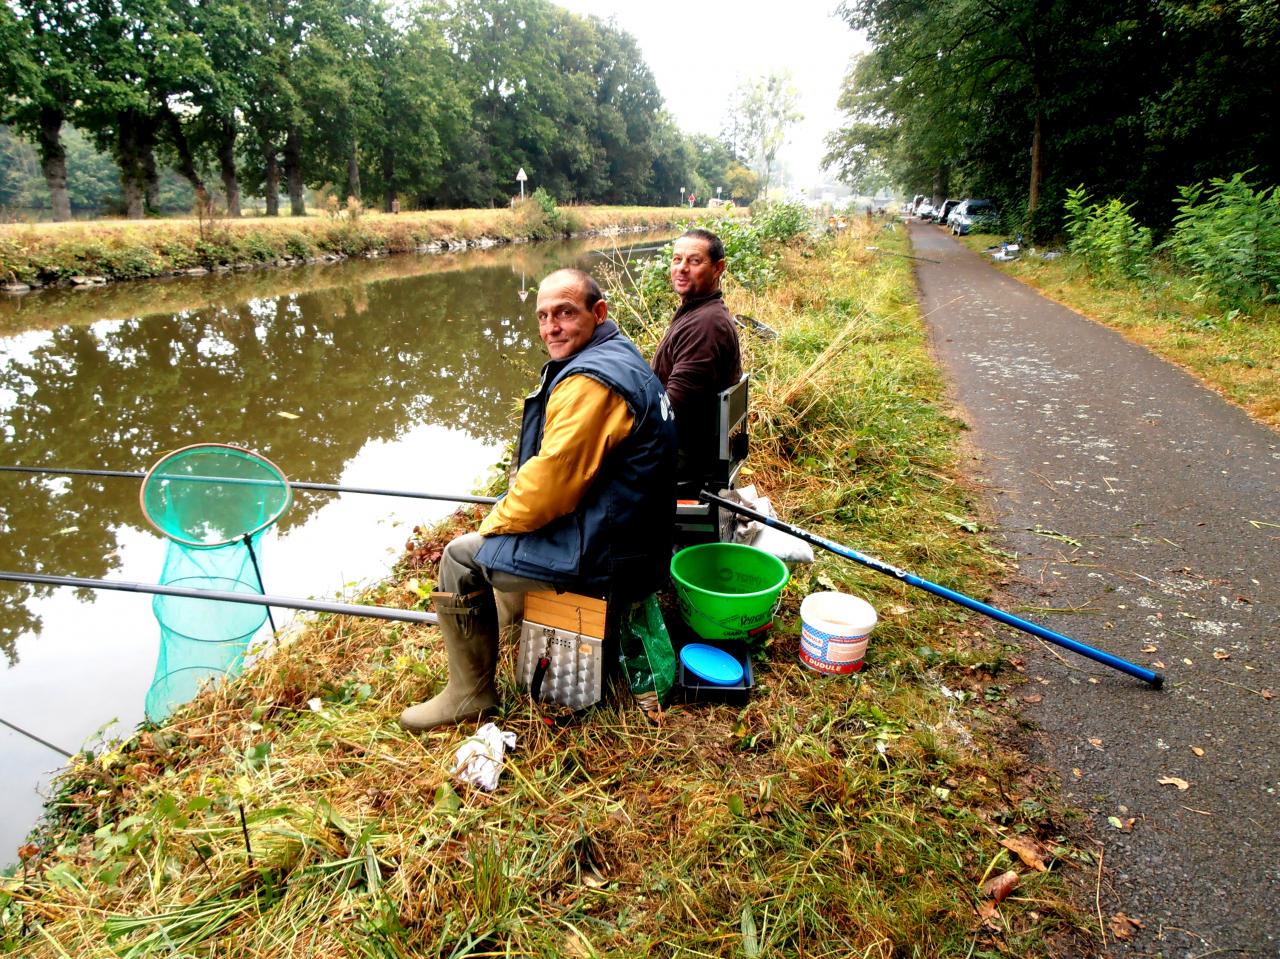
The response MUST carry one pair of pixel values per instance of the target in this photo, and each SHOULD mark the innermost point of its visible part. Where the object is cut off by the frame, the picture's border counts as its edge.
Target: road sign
(521, 177)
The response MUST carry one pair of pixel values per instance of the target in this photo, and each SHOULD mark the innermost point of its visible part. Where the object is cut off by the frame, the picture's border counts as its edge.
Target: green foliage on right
(1107, 237)
(1228, 235)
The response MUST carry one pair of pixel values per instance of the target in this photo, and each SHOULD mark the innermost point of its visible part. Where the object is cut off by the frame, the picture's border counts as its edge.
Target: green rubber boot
(469, 626)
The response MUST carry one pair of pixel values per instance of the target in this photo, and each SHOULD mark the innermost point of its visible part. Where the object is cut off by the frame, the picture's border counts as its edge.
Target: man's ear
(601, 310)
(719, 267)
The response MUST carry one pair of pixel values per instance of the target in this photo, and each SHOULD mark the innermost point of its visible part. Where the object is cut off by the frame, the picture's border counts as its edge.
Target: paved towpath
(1150, 506)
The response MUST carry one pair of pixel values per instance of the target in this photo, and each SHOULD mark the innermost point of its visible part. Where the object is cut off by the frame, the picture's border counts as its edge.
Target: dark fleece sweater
(698, 357)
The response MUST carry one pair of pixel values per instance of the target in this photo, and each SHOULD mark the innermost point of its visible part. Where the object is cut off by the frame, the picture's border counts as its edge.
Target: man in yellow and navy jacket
(589, 507)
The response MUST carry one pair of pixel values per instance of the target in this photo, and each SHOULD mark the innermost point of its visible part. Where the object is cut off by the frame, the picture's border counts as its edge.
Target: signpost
(682, 196)
(520, 178)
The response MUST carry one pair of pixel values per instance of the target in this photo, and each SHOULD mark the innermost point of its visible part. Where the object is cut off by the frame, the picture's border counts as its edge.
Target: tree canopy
(1021, 100)
(436, 103)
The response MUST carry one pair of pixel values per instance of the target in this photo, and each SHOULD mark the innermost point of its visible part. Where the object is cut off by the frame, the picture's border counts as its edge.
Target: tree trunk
(293, 172)
(53, 162)
(150, 175)
(272, 184)
(1037, 162)
(388, 179)
(941, 184)
(227, 166)
(353, 171)
(186, 165)
(133, 155)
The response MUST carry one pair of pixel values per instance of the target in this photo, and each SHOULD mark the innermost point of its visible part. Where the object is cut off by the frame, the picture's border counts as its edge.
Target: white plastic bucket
(835, 629)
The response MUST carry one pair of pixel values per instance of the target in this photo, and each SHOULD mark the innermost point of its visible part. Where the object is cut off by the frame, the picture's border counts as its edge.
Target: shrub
(1107, 237)
(1229, 237)
(779, 222)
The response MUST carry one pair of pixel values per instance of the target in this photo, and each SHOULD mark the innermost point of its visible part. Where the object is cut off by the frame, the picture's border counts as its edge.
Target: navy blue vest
(618, 540)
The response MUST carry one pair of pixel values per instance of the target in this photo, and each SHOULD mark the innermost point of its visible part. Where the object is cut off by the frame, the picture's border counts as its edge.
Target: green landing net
(213, 503)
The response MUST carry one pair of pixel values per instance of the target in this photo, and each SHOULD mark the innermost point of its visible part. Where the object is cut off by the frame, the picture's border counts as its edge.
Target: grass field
(286, 814)
(137, 249)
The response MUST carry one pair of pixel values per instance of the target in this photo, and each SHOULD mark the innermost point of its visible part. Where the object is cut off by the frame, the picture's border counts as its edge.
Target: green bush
(779, 222)
(1228, 236)
(1107, 237)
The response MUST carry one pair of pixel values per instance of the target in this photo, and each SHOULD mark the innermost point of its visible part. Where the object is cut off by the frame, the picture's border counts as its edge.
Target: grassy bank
(123, 250)
(830, 817)
(1234, 352)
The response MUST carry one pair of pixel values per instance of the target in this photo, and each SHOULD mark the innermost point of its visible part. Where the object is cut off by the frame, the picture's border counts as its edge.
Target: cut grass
(121, 250)
(1235, 353)
(828, 817)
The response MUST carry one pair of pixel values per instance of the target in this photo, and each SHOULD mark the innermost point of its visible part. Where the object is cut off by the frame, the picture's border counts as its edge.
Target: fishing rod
(251, 599)
(35, 738)
(1156, 680)
(314, 487)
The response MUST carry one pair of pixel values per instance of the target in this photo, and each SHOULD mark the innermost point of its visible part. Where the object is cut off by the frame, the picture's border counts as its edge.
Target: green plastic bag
(647, 657)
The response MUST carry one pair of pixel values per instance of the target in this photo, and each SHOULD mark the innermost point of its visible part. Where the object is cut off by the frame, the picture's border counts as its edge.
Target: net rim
(252, 454)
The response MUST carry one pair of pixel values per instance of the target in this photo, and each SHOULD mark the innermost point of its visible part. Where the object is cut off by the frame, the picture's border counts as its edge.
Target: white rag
(479, 759)
(790, 549)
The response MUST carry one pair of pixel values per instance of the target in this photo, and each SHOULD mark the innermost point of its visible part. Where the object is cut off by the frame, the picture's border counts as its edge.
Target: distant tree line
(1022, 100)
(436, 104)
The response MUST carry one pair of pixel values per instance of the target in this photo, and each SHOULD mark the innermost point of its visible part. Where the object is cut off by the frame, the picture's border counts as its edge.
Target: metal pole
(315, 487)
(252, 599)
(1097, 655)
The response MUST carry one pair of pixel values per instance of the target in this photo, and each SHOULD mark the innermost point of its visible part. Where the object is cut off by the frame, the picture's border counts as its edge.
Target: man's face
(564, 322)
(693, 273)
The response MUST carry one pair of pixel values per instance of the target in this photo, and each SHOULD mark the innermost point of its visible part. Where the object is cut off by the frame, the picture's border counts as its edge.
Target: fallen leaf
(1122, 926)
(1125, 825)
(1157, 664)
(1033, 698)
(1149, 648)
(1027, 851)
(1094, 680)
(1221, 654)
(288, 416)
(1187, 662)
(1095, 743)
(1197, 750)
(1266, 694)
(1182, 784)
(999, 887)
(1078, 773)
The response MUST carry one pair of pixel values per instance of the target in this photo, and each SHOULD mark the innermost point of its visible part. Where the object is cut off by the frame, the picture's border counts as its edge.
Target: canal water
(404, 373)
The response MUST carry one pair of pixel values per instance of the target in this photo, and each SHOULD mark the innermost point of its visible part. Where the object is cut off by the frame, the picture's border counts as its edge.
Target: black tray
(690, 689)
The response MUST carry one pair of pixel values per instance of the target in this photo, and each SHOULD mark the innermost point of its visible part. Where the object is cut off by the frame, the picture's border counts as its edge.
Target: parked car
(973, 213)
(924, 209)
(915, 203)
(941, 213)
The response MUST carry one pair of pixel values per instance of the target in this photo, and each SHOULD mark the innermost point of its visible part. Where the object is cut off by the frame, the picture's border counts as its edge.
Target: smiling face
(565, 322)
(693, 272)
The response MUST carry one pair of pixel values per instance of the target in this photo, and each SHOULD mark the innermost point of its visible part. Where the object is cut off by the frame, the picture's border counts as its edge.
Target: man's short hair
(715, 246)
(590, 288)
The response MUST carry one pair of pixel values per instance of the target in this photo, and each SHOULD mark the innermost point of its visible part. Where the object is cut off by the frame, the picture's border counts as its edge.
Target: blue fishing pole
(1066, 642)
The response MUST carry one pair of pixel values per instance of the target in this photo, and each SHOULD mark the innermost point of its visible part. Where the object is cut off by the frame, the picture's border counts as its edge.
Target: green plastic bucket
(727, 590)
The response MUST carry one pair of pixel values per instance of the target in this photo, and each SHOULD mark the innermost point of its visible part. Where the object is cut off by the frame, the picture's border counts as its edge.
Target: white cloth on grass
(479, 759)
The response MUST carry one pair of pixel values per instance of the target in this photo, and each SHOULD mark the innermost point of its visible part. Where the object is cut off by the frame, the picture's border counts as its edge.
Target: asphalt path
(1144, 511)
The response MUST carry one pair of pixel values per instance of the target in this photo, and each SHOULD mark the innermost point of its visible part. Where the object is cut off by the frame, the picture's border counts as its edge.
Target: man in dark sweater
(699, 355)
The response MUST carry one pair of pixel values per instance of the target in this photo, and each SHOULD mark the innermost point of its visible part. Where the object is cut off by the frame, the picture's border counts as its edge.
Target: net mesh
(214, 504)
(211, 495)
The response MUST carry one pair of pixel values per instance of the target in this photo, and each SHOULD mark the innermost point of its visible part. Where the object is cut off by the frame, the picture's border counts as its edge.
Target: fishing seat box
(698, 522)
(569, 629)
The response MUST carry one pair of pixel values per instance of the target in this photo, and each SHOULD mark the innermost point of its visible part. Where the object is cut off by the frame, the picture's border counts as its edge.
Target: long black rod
(33, 736)
(1156, 680)
(315, 487)
(252, 599)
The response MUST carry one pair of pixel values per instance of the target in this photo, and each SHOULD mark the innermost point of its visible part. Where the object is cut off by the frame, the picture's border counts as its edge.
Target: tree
(763, 109)
(39, 81)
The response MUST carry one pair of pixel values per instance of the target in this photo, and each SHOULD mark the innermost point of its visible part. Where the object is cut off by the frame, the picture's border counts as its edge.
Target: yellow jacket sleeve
(585, 420)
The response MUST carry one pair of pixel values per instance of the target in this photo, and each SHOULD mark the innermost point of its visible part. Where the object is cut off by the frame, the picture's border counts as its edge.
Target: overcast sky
(700, 51)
